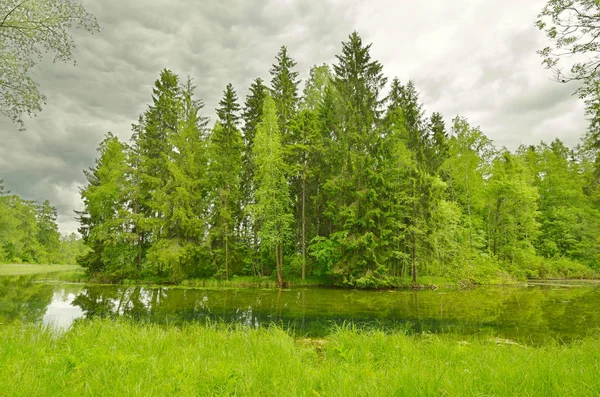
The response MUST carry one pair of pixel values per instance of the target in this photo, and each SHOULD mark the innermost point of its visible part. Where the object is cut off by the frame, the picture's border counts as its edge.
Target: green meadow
(107, 358)
(25, 269)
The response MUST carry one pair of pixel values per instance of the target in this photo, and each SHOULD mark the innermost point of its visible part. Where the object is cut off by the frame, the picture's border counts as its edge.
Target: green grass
(24, 269)
(104, 358)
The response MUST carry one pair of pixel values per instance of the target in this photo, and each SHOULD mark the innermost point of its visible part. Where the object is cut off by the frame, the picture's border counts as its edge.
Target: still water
(532, 314)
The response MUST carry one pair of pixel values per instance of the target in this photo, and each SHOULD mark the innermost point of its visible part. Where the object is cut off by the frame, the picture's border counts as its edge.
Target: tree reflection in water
(530, 315)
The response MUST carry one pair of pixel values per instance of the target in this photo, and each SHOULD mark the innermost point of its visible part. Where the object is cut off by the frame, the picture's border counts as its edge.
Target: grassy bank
(106, 358)
(24, 269)
(290, 282)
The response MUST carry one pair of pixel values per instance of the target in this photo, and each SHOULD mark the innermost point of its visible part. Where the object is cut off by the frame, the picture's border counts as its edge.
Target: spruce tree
(152, 141)
(437, 148)
(181, 248)
(251, 115)
(104, 218)
(225, 172)
(303, 155)
(284, 89)
(424, 190)
(354, 187)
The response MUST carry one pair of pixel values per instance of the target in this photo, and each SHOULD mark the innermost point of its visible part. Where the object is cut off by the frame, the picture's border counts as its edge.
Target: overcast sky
(475, 58)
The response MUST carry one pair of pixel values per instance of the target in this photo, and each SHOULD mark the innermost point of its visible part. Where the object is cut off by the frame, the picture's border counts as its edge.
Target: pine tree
(425, 189)
(152, 140)
(353, 188)
(225, 172)
(181, 248)
(359, 81)
(303, 153)
(272, 207)
(326, 163)
(394, 99)
(104, 219)
(437, 148)
(284, 89)
(251, 115)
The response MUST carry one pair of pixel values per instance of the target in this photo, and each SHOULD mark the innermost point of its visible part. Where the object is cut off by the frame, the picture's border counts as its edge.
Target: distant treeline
(29, 233)
(341, 183)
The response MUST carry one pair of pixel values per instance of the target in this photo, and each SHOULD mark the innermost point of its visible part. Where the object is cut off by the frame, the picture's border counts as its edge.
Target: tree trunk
(278, 264)
(226, 256)
(255, 257)
(139, 253)
(281, 266)
(414, 258)
(469, 214)
(414, 236)
(304, 223)
(496, 222)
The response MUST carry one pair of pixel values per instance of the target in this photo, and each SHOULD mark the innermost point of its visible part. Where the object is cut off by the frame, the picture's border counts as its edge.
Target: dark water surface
(532, 314)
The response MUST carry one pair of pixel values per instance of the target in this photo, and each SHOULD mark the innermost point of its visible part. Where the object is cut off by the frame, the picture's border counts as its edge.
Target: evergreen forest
(343, 178)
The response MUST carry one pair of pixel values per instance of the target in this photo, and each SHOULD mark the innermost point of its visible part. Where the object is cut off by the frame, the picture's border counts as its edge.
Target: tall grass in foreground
(104, 358)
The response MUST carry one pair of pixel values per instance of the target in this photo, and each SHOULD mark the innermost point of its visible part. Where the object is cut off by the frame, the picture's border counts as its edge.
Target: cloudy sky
(470, 57)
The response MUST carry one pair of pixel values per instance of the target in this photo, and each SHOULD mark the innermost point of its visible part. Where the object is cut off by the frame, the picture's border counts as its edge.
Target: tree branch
(11, 11)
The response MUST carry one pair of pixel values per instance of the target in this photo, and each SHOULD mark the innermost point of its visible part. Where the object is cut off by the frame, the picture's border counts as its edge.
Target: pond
(529, 314)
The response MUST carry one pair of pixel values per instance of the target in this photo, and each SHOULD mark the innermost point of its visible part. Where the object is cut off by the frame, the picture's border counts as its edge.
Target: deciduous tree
(29, 28)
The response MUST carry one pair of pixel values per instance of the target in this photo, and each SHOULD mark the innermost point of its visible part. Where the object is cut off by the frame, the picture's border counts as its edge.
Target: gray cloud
(476, 58)
(214, 42)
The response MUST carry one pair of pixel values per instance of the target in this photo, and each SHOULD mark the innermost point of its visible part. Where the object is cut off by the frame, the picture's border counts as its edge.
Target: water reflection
(525, 314)
(21, 299)
(61, 312)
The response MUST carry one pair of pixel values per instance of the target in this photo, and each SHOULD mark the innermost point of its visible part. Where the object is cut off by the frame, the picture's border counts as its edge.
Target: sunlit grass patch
(24, 269)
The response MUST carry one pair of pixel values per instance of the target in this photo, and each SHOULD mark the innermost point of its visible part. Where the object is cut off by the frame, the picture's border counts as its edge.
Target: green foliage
(251, 115)
(315, 88)
(573, 29)
(563, 268)
(272, 207)
(353, 185)
(357, 189)
(512, 210)
(569, 219)
(104, 222)
(27, 30)
(272, 198)
(284, 89)
(71, 248)
(48, 235)
(28, 230)
(225, 172)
